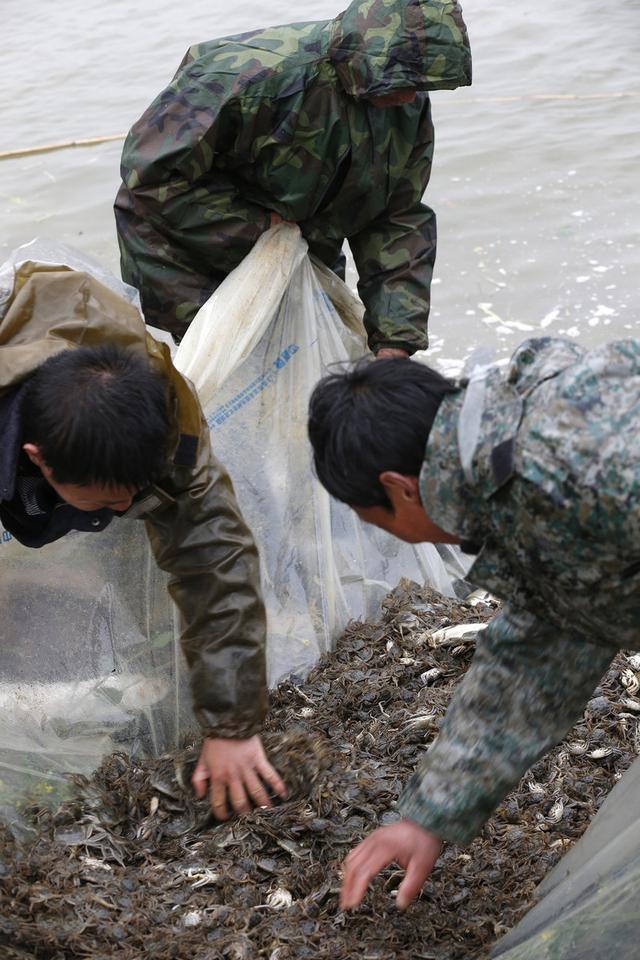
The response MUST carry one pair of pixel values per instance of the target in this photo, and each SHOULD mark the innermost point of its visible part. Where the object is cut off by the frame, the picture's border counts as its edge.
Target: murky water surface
(537, 167)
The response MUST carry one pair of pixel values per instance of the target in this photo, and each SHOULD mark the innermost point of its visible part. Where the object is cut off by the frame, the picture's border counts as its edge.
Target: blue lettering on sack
(218, 416)
(6, 536)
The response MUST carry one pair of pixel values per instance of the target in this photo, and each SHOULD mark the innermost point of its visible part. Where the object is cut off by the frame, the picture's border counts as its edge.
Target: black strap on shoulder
(502, 461)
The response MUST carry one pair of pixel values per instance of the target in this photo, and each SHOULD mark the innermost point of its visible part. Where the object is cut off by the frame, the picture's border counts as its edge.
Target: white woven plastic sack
(255, 351)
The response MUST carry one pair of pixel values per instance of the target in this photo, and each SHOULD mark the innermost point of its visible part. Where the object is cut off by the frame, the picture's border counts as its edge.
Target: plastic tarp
(89, 660)
(89, 656)
(589, 904)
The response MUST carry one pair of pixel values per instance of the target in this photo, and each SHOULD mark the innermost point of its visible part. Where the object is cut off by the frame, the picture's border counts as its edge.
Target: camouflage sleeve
(395, 256)
(182, 222)
(527, 684)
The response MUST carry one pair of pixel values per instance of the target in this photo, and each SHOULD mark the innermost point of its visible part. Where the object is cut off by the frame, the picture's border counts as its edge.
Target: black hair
(369, 419)
(99, 415)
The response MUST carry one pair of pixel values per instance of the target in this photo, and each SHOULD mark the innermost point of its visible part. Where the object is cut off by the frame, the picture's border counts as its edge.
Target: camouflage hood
(375, 47)
(378, 46)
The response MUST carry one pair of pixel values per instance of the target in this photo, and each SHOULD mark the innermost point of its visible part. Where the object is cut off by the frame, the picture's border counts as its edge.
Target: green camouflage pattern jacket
(547, 487)
(281, 120)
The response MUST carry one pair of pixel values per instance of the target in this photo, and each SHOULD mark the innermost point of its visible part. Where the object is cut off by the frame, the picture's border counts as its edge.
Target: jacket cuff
(397, 345)
(231, 726)
(438, 809)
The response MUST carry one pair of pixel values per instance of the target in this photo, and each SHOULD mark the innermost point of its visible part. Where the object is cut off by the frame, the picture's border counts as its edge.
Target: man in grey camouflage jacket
(327, 124)
(536, 471)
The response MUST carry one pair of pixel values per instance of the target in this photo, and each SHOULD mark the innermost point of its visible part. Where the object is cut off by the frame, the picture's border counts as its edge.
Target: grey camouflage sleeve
(527, 684)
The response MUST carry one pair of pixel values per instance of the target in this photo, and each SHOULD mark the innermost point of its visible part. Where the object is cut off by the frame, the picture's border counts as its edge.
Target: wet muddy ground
(135, 868)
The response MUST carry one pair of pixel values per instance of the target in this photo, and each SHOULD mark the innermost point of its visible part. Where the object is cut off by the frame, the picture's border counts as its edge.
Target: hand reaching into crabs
(405, 843)
(237, 773)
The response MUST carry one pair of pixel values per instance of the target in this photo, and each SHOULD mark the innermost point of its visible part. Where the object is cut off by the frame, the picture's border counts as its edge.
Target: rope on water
(63, 145)
(537, 97)
(552, 96)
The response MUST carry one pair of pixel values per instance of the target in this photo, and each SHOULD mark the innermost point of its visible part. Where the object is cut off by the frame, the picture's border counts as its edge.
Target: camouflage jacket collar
(443, 489)
(468, 500)
(379, 46)
(470, 451)
(455, 497)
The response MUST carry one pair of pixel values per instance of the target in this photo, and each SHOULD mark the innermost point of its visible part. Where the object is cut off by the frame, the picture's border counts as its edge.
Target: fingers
(240, 801)
(257, 790)
(239, 775)
(250, 790)
(361, 866)
(218, 797)
(199, 779)
(405, 843)
(240, 794)
(271, 776)
(415, 879)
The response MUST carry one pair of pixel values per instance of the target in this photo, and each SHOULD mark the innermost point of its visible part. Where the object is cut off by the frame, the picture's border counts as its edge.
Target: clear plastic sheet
(589, 904)
(58, 254)
(89, 659)
(89, 652)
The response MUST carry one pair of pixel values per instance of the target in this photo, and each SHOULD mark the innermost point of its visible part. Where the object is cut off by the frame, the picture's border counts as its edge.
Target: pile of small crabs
(134, 866)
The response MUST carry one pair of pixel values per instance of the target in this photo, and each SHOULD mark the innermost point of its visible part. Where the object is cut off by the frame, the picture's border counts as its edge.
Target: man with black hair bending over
(536, 471)
(95, 421)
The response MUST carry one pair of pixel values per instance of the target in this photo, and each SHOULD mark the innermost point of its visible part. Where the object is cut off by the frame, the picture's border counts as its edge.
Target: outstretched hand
(237, 772)
(405, 843)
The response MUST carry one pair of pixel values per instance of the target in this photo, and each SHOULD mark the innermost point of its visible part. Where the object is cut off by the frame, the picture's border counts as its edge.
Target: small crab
(202, 876)
(430, 676)
(600, 753)
(630, 682)
(578, 747)
(536, 790)
(279, 899)
(420, 721)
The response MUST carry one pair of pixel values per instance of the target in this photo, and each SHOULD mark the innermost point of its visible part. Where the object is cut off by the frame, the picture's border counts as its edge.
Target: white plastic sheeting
(89, 660)
(589, 904)
(89, 656)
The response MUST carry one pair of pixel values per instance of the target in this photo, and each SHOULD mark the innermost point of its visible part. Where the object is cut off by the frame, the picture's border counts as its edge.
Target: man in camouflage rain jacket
(192, 518)
(538, 473)
(327, 124)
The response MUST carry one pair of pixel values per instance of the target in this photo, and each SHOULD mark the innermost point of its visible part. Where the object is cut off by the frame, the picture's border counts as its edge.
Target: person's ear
(32, 450)
(400, 487)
